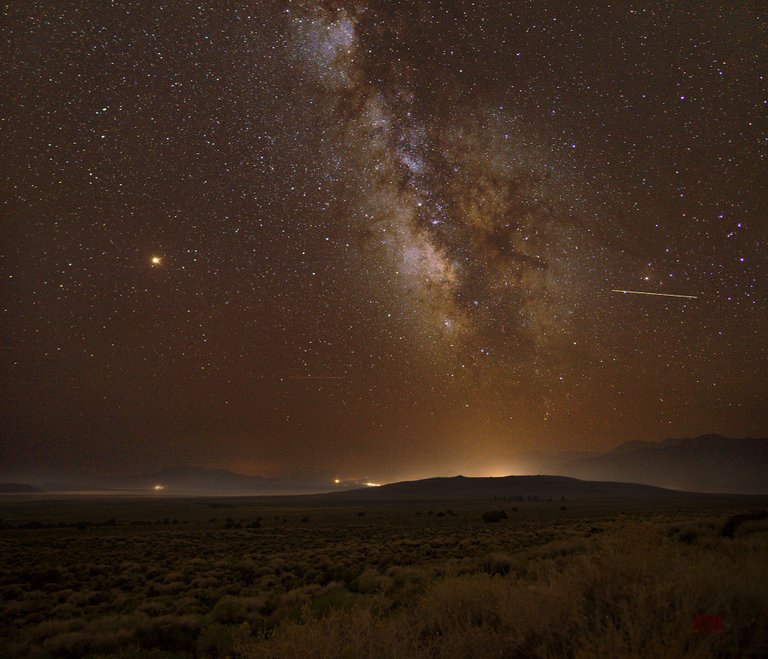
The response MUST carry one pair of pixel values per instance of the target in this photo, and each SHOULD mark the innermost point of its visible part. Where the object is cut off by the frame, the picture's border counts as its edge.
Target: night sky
(378, 239)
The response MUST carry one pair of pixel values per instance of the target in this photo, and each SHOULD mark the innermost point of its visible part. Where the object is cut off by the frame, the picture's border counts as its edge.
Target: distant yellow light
(372, 484)
(157, 260)
(336, 480)
(158, 488)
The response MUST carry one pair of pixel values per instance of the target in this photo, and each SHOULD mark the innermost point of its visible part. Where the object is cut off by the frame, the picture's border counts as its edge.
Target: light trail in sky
(687, 297)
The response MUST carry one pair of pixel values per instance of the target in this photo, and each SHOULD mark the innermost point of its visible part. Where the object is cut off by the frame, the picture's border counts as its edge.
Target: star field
(379, 238)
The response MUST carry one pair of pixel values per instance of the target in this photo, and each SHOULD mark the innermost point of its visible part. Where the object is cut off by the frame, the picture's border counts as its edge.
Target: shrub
(12, 593)
(370, 581)
(497, 563)
(688, 537)
(494, 516)
(232, 610)
(171, 633)
(69, 644)
(218, 640)
(335, 599)
(730, 526)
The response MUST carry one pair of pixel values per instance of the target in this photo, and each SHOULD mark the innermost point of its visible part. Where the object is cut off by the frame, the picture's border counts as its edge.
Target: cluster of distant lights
(337, 481)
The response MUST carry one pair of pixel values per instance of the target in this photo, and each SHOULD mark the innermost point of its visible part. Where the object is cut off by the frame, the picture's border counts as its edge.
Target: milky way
(379, 239)
(469, 227)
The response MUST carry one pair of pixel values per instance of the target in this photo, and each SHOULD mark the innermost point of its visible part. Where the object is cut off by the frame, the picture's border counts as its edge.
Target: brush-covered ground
(297, 577)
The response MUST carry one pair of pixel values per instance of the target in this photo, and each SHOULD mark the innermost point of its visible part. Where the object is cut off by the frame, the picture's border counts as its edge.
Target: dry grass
(635, 592)
(597, 579)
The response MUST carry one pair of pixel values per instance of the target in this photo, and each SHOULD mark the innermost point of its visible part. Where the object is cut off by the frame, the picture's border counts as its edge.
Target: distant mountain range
(183, 480)
(17, 488)
(508, 488)
(193, 478)
(709, 463)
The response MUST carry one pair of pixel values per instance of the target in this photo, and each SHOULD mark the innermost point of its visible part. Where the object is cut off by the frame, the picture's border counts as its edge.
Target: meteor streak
(687, 297)
(317, 377)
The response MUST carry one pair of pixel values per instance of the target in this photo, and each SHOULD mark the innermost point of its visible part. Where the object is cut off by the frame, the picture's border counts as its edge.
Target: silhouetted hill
(13, 488)
(709, 463)
(464, 489)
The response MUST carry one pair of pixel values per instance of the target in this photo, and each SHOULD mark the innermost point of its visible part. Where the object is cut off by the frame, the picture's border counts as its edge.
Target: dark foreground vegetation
(301, 578)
